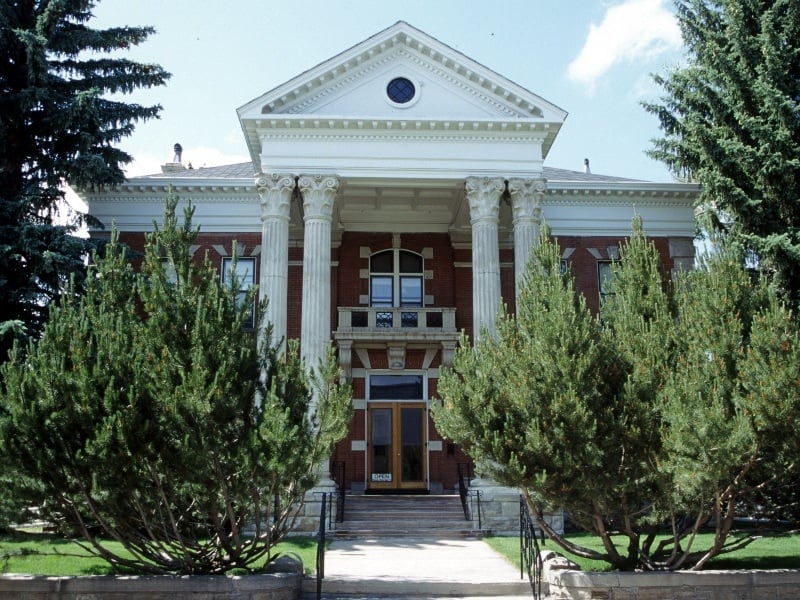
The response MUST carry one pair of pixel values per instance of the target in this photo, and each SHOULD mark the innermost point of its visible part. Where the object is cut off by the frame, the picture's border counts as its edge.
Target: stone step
(368, 516)
(407, 523)
(427, 534)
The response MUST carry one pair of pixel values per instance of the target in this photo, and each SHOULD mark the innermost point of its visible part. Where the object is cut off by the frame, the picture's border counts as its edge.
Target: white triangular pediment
(437, 95)
(451, 85)
(451, 91)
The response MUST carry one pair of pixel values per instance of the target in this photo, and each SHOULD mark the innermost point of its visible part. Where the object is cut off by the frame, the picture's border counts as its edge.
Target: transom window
(396, 387)
(396, 278)
(245, 275)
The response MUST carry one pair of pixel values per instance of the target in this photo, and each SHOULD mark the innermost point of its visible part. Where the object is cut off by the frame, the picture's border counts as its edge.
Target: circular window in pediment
(401, 90)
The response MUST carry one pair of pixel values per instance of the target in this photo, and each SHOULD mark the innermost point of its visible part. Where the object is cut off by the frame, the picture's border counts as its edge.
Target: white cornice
(291, 123)
(142, 186)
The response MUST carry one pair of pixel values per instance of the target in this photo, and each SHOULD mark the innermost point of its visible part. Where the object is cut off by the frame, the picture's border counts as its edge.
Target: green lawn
(774, 552)
(34, 553)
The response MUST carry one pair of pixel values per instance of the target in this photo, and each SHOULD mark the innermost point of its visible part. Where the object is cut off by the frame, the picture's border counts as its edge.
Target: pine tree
(58, 124)
(670, 408)
(731, 404)
(731, 122)
(538, 405)
(147, 413)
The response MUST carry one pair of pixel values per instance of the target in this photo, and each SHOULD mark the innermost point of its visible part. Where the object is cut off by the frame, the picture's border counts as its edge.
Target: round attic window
(400, 90)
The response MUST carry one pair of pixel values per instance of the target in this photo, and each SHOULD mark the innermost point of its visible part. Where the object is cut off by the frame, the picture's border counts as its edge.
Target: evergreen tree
(732, 402)
(731, 121)
(147, 414)
(672, 407)
(58, 124)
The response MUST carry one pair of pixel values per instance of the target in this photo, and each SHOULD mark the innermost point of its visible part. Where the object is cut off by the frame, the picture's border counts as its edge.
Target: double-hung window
(244, 274)
(396, 281)
(605, 279)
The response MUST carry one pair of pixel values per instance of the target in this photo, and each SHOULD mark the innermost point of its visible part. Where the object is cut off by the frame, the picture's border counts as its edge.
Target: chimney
(176, 164)
(586, 168)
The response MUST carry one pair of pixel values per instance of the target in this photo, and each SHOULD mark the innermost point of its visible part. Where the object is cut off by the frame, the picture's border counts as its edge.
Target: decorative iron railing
(529, 553)
(376, 319)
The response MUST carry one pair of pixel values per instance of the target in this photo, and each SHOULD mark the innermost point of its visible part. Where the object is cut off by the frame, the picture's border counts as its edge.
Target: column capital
(526, 195)
(527, 186)
(275, 190)
(483, 195)
(319, 193)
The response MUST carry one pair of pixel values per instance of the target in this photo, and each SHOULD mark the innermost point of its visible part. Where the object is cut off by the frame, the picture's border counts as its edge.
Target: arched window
(395, 279)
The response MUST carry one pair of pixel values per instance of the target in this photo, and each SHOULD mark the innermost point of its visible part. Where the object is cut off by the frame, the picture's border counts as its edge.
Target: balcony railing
(397, 320)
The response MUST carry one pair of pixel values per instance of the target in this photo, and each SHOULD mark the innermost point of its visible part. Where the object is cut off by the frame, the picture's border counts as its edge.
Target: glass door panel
(381, 455)
(411, 438)
(396, 455)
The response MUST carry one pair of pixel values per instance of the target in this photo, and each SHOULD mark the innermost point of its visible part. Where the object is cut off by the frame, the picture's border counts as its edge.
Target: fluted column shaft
(483, 195)
(276, 193)
(526, 197)
(319, 193)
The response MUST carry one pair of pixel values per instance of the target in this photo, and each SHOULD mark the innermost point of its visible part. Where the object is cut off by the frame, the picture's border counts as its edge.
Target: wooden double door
(397, 447)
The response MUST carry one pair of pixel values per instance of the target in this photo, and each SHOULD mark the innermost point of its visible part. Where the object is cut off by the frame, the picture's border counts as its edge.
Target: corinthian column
(526, 198)
(483, 195)
(276, 192)
(318, 193)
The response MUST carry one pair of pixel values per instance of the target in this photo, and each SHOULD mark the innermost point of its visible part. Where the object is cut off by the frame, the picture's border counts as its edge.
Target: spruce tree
(60, 122)
(731, 121)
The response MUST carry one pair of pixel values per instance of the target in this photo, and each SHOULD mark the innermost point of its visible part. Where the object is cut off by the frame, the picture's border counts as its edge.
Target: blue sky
(593, 58)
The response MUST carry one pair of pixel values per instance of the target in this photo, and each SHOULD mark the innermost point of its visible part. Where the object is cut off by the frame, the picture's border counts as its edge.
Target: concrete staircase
(379, 516)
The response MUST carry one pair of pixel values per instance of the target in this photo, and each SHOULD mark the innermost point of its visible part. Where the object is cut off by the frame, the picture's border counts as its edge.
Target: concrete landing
(419, 568)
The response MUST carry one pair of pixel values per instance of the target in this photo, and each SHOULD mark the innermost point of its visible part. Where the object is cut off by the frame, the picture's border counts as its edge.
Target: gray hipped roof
(245, 170)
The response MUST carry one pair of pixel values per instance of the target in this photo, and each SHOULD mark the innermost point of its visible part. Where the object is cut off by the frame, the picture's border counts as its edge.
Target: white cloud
(631, 31)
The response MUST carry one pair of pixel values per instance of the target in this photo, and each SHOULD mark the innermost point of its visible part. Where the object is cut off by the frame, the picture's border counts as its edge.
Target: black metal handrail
(529, 553)
(466, 495)
(463, 489)
(463, 492)
(321, 545)
(338, 474)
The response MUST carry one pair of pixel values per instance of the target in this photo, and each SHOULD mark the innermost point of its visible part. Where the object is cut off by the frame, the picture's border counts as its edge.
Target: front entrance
(397, 449)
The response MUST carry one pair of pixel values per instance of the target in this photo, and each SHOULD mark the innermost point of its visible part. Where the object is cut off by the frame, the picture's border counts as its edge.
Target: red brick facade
(447, 284)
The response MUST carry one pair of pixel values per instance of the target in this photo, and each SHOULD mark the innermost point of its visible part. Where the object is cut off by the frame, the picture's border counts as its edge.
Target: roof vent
(586, 168)
(176, 164)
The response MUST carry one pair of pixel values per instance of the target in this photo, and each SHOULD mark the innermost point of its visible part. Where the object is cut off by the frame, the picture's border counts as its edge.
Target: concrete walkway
(419, 568)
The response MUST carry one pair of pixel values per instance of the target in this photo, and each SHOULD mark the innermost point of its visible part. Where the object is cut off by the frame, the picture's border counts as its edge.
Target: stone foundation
(500, 510)
(283, 585)
(307, 521)
(561, 582)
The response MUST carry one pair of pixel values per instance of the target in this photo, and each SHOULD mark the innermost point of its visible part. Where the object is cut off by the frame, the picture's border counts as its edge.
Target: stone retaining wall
(274, 586)
(561, 582)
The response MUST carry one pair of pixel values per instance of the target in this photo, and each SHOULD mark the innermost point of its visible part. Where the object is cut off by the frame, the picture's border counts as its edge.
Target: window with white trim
(396, 281)
(245, 275)
(605, 278)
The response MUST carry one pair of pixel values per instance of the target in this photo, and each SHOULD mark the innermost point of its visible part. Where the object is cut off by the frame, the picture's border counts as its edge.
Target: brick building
(393, 197)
